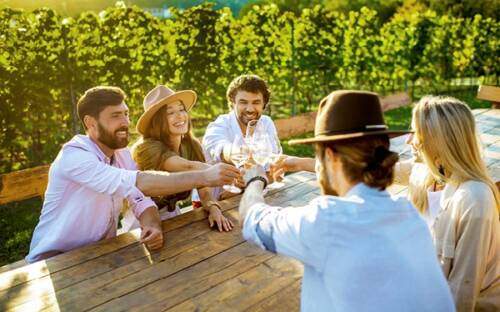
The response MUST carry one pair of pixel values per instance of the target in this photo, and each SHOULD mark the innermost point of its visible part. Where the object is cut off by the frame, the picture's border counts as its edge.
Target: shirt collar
(86, 143)
(363, 189)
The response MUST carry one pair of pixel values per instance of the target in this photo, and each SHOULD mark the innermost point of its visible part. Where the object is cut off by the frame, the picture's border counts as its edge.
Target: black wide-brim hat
(348, 114)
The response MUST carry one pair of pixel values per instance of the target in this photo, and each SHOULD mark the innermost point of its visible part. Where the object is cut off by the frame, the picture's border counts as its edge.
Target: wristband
(213, 203)
(259, 178)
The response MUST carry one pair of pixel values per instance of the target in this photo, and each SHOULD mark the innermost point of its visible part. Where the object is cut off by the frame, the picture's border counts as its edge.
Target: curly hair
(249, 83)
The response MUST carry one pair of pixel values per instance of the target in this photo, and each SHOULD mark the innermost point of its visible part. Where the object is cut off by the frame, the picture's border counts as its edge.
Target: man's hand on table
(152, 236)
(151, 231)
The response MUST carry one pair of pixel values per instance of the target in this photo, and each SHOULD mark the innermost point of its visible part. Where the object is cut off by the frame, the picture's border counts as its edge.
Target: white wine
(239, 159)
(262, 157)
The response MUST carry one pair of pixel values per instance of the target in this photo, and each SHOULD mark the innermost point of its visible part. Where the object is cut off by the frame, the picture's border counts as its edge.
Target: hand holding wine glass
(276, 156)
(239, 155)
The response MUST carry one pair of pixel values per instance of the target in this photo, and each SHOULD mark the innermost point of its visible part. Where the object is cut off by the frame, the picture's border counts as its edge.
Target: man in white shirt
(247, 96)
(362, 249)
(94, 174)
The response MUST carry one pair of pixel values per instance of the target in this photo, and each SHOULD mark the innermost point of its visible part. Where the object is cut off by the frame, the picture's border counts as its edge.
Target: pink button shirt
(84, 196)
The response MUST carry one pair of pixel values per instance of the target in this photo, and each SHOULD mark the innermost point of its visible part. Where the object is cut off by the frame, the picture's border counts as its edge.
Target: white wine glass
(262, 150)
(277, 152)
(239, 155)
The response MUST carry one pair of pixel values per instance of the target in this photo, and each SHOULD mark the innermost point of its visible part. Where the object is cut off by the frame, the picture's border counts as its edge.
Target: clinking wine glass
(239, 155)
(262, 150)
(277, 152)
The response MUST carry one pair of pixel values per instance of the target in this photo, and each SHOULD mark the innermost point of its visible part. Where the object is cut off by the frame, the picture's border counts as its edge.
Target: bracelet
(259, 178)
(213, 203)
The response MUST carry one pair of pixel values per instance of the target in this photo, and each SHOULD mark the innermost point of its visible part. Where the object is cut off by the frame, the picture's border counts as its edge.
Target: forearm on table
(158, 183)
(206, 198)
(253, 195)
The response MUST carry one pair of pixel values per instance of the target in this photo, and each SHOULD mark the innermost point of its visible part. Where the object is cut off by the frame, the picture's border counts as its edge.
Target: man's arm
(156, 183)
(151, 231)
(294, 163)
(253, 195)
(286, 231)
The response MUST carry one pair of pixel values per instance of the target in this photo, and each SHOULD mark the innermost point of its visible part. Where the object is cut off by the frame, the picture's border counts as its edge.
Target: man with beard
(247, 96)
(362, 249)
(94, 175)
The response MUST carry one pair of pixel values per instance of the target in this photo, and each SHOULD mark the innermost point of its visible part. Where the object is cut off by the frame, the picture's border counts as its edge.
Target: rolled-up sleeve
(286, 231)
(84, 168)
(139, 203)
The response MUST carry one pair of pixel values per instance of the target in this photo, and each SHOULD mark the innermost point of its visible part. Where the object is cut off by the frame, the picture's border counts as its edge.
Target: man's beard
(244, 118)
(110, 139)
(325, 183)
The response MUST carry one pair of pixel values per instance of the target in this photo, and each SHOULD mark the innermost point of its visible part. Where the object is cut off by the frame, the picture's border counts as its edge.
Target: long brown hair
(149, 157)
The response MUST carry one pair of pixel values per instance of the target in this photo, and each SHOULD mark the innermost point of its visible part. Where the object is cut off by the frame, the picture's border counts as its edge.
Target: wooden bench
(23, 184)
(490, 93)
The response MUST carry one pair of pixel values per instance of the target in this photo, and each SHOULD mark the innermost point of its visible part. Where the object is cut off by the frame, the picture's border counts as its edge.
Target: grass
(18, 220)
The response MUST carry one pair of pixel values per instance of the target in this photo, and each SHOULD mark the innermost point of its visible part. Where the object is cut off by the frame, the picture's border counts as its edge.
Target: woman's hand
(215, 216)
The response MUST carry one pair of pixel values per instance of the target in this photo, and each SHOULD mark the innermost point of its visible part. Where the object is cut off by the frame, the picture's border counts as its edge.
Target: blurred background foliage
(47, 60)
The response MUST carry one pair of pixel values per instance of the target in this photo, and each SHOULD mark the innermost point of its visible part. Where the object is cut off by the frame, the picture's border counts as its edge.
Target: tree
(465, 8)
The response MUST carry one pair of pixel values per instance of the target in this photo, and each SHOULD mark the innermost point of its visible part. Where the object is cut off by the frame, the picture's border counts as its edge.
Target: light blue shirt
(366, 251)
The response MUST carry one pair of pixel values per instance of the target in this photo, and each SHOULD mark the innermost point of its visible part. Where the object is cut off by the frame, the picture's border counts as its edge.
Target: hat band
(366, 128)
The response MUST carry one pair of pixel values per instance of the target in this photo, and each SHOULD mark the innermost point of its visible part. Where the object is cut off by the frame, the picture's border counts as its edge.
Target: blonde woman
(453, 191)
(168, 144)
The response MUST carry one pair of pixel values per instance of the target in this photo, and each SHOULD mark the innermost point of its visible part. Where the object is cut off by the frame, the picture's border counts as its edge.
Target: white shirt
(366, 251)
(84, 197)
(433, 207)
(224, 130)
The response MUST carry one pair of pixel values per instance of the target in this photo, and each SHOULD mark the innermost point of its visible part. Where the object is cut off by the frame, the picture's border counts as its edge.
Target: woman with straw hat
(168, 144)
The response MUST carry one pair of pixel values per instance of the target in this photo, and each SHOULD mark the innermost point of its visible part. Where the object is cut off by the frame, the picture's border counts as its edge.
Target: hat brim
(338, 137)
(188, 97)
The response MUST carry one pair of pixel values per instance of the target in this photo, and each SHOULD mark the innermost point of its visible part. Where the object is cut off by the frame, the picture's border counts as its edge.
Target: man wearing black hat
(362, 249)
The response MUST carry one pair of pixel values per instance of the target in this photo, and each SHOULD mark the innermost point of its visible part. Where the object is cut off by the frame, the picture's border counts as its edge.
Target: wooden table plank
(190, 282)
(285, 300)
(243, 291)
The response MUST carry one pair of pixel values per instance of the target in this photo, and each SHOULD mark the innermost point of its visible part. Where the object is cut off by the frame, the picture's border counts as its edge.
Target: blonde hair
(365, 159)
(449, 146)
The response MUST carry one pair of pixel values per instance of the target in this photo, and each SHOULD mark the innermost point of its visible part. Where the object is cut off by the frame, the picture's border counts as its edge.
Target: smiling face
(177, 118)
(111, 126)
(248, 106)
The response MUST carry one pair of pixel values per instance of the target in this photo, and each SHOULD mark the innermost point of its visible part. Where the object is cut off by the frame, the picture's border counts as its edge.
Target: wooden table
(198, 269)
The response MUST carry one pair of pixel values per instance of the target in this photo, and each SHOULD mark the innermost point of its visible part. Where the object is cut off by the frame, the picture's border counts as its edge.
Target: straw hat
(347, 114)
(157, 98)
